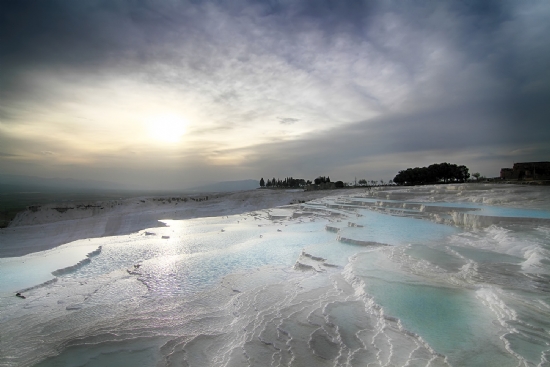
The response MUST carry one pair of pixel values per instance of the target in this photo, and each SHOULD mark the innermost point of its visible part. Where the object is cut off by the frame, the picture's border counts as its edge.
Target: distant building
(506, 173)
(527, 171)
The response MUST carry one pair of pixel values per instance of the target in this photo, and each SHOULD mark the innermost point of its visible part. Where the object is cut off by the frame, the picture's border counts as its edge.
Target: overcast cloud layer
(270, 88)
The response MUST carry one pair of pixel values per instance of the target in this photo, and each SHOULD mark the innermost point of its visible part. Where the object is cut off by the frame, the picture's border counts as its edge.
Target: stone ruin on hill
(527, 171)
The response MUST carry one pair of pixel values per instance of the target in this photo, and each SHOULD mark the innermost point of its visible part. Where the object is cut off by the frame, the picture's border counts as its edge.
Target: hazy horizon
(169, 95)
(87, 185)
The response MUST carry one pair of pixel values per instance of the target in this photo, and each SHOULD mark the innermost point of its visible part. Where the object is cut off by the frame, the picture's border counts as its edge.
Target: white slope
(48, 226)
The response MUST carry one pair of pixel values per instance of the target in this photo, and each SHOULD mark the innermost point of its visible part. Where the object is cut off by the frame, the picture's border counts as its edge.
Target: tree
(362, 182)
(262, 182)
(462, 173)
(435, 173)
(476, 175)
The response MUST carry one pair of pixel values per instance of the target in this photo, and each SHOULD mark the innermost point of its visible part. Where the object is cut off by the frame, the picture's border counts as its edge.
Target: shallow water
(328, 283)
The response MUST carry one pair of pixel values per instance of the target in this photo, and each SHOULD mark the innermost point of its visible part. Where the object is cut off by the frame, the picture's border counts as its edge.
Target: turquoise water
(481, 256)
(499, 211)
(451, 320)
(442, 258)
(396, 230)
(480, 209)
(27, 271)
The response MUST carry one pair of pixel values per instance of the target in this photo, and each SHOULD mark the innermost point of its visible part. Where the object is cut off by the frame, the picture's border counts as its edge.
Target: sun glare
(168, 128)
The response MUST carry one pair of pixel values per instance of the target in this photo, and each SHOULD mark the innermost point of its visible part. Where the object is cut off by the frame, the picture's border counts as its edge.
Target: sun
(166, 128)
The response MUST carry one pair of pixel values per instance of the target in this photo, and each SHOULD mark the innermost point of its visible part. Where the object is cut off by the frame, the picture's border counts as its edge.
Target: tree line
(435, 173)
(287, 182)
(291, 182)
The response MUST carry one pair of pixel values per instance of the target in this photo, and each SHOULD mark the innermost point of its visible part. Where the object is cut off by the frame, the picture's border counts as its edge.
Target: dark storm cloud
(78, 35)
(89, 34)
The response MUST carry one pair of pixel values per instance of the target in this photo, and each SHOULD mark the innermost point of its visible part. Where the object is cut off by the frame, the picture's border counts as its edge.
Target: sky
(173, 94)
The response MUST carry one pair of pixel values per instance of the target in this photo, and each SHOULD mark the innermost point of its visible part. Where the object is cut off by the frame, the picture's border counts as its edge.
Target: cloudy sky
(169, 94)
